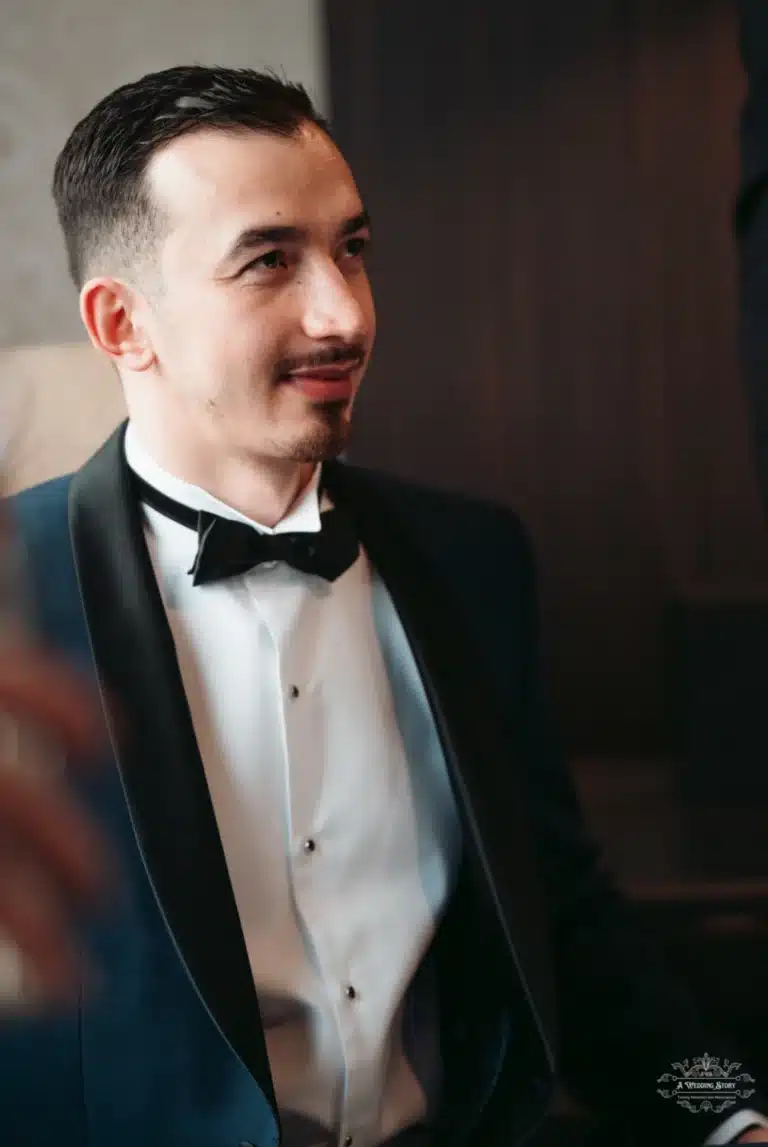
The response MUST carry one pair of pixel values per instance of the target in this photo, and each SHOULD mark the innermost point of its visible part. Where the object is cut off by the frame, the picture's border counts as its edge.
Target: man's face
(264, 321)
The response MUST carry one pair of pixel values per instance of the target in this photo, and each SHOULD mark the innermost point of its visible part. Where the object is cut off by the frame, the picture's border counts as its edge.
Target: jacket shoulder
(40, 516)
(441, 500)
(444, 508)
(42, 508)
(53, 492)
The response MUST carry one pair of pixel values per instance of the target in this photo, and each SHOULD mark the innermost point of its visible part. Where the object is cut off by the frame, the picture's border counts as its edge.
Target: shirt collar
(303, 516)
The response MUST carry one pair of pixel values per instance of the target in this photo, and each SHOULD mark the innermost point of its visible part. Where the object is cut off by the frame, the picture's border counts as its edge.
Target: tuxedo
(539, 968)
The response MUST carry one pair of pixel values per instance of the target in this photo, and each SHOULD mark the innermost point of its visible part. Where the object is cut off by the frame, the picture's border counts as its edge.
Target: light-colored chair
(71, 401)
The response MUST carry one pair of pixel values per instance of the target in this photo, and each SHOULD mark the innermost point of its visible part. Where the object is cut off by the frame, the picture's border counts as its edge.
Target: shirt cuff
(734, 1126)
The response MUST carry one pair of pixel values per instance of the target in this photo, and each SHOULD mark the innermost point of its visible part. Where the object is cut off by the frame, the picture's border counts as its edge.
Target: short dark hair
(99, 178)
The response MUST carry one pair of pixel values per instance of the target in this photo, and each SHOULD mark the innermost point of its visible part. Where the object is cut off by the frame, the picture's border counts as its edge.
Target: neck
(263, 489)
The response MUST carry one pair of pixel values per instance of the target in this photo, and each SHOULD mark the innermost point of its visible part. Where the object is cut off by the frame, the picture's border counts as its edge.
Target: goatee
(327, 440)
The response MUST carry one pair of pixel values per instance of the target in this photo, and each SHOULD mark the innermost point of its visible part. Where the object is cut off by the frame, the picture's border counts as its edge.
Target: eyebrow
(253, 237)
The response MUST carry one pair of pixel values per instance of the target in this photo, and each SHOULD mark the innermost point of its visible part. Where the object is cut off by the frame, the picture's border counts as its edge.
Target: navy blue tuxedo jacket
(541, 970)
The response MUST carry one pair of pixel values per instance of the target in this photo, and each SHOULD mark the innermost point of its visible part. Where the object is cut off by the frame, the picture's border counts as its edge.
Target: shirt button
(294, 692)
(350, 992)
(309, 845)
(348, 1141)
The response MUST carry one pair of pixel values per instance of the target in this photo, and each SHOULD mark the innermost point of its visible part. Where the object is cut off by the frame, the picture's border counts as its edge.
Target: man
(357, 903)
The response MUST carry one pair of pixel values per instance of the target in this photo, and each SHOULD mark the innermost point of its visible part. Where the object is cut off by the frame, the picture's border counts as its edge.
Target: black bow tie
(226, 548)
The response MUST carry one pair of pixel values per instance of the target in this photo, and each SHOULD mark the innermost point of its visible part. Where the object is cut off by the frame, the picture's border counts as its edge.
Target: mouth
(333, 383)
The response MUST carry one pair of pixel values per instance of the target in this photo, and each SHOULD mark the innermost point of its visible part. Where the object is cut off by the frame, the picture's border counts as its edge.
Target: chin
(323, 442)
(316, 451)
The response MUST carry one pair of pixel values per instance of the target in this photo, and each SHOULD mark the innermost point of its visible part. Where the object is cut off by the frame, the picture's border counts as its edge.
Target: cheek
(230, 342)
(263, 337)
(238, 341)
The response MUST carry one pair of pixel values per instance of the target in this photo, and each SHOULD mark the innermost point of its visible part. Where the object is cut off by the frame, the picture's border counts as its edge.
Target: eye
(275, 260)
(356, 246)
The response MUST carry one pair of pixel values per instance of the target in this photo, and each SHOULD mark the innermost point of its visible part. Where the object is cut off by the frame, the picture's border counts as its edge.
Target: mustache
(352, 354)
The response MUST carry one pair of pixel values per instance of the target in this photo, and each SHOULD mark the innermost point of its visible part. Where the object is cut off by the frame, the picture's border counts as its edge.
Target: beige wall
(56, 60)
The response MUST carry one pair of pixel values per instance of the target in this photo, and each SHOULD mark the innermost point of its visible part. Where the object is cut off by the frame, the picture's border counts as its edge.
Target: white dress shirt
(333, 804)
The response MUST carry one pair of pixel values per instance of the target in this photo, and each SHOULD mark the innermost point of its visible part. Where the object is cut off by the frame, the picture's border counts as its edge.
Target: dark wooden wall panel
(551, 185)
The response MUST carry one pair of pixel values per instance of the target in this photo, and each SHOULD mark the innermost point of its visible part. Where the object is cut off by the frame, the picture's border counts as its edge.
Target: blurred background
(552, 185)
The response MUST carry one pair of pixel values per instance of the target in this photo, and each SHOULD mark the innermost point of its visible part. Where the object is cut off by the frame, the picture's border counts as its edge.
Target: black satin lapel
(158, 756)
(479, 752)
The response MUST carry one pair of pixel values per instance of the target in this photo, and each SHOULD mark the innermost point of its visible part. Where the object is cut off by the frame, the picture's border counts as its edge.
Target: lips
(325, 383)
(331, 373)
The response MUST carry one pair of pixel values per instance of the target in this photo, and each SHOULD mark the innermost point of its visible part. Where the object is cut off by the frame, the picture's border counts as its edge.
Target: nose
(334, 305)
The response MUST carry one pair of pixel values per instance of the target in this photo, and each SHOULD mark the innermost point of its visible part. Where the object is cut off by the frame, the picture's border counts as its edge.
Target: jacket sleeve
(623, 1018)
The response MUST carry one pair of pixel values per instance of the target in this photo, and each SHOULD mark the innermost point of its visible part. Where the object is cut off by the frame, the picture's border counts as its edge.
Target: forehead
(214, 182)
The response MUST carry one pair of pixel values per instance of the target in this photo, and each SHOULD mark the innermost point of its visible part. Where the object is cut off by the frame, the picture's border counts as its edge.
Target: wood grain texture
(551, 186)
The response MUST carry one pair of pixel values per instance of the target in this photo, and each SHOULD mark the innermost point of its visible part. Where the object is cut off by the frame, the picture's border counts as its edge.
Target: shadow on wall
(556, 297)
(561, 36)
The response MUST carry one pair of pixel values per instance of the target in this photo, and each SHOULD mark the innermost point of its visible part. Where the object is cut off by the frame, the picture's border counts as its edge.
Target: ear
(111, 313)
